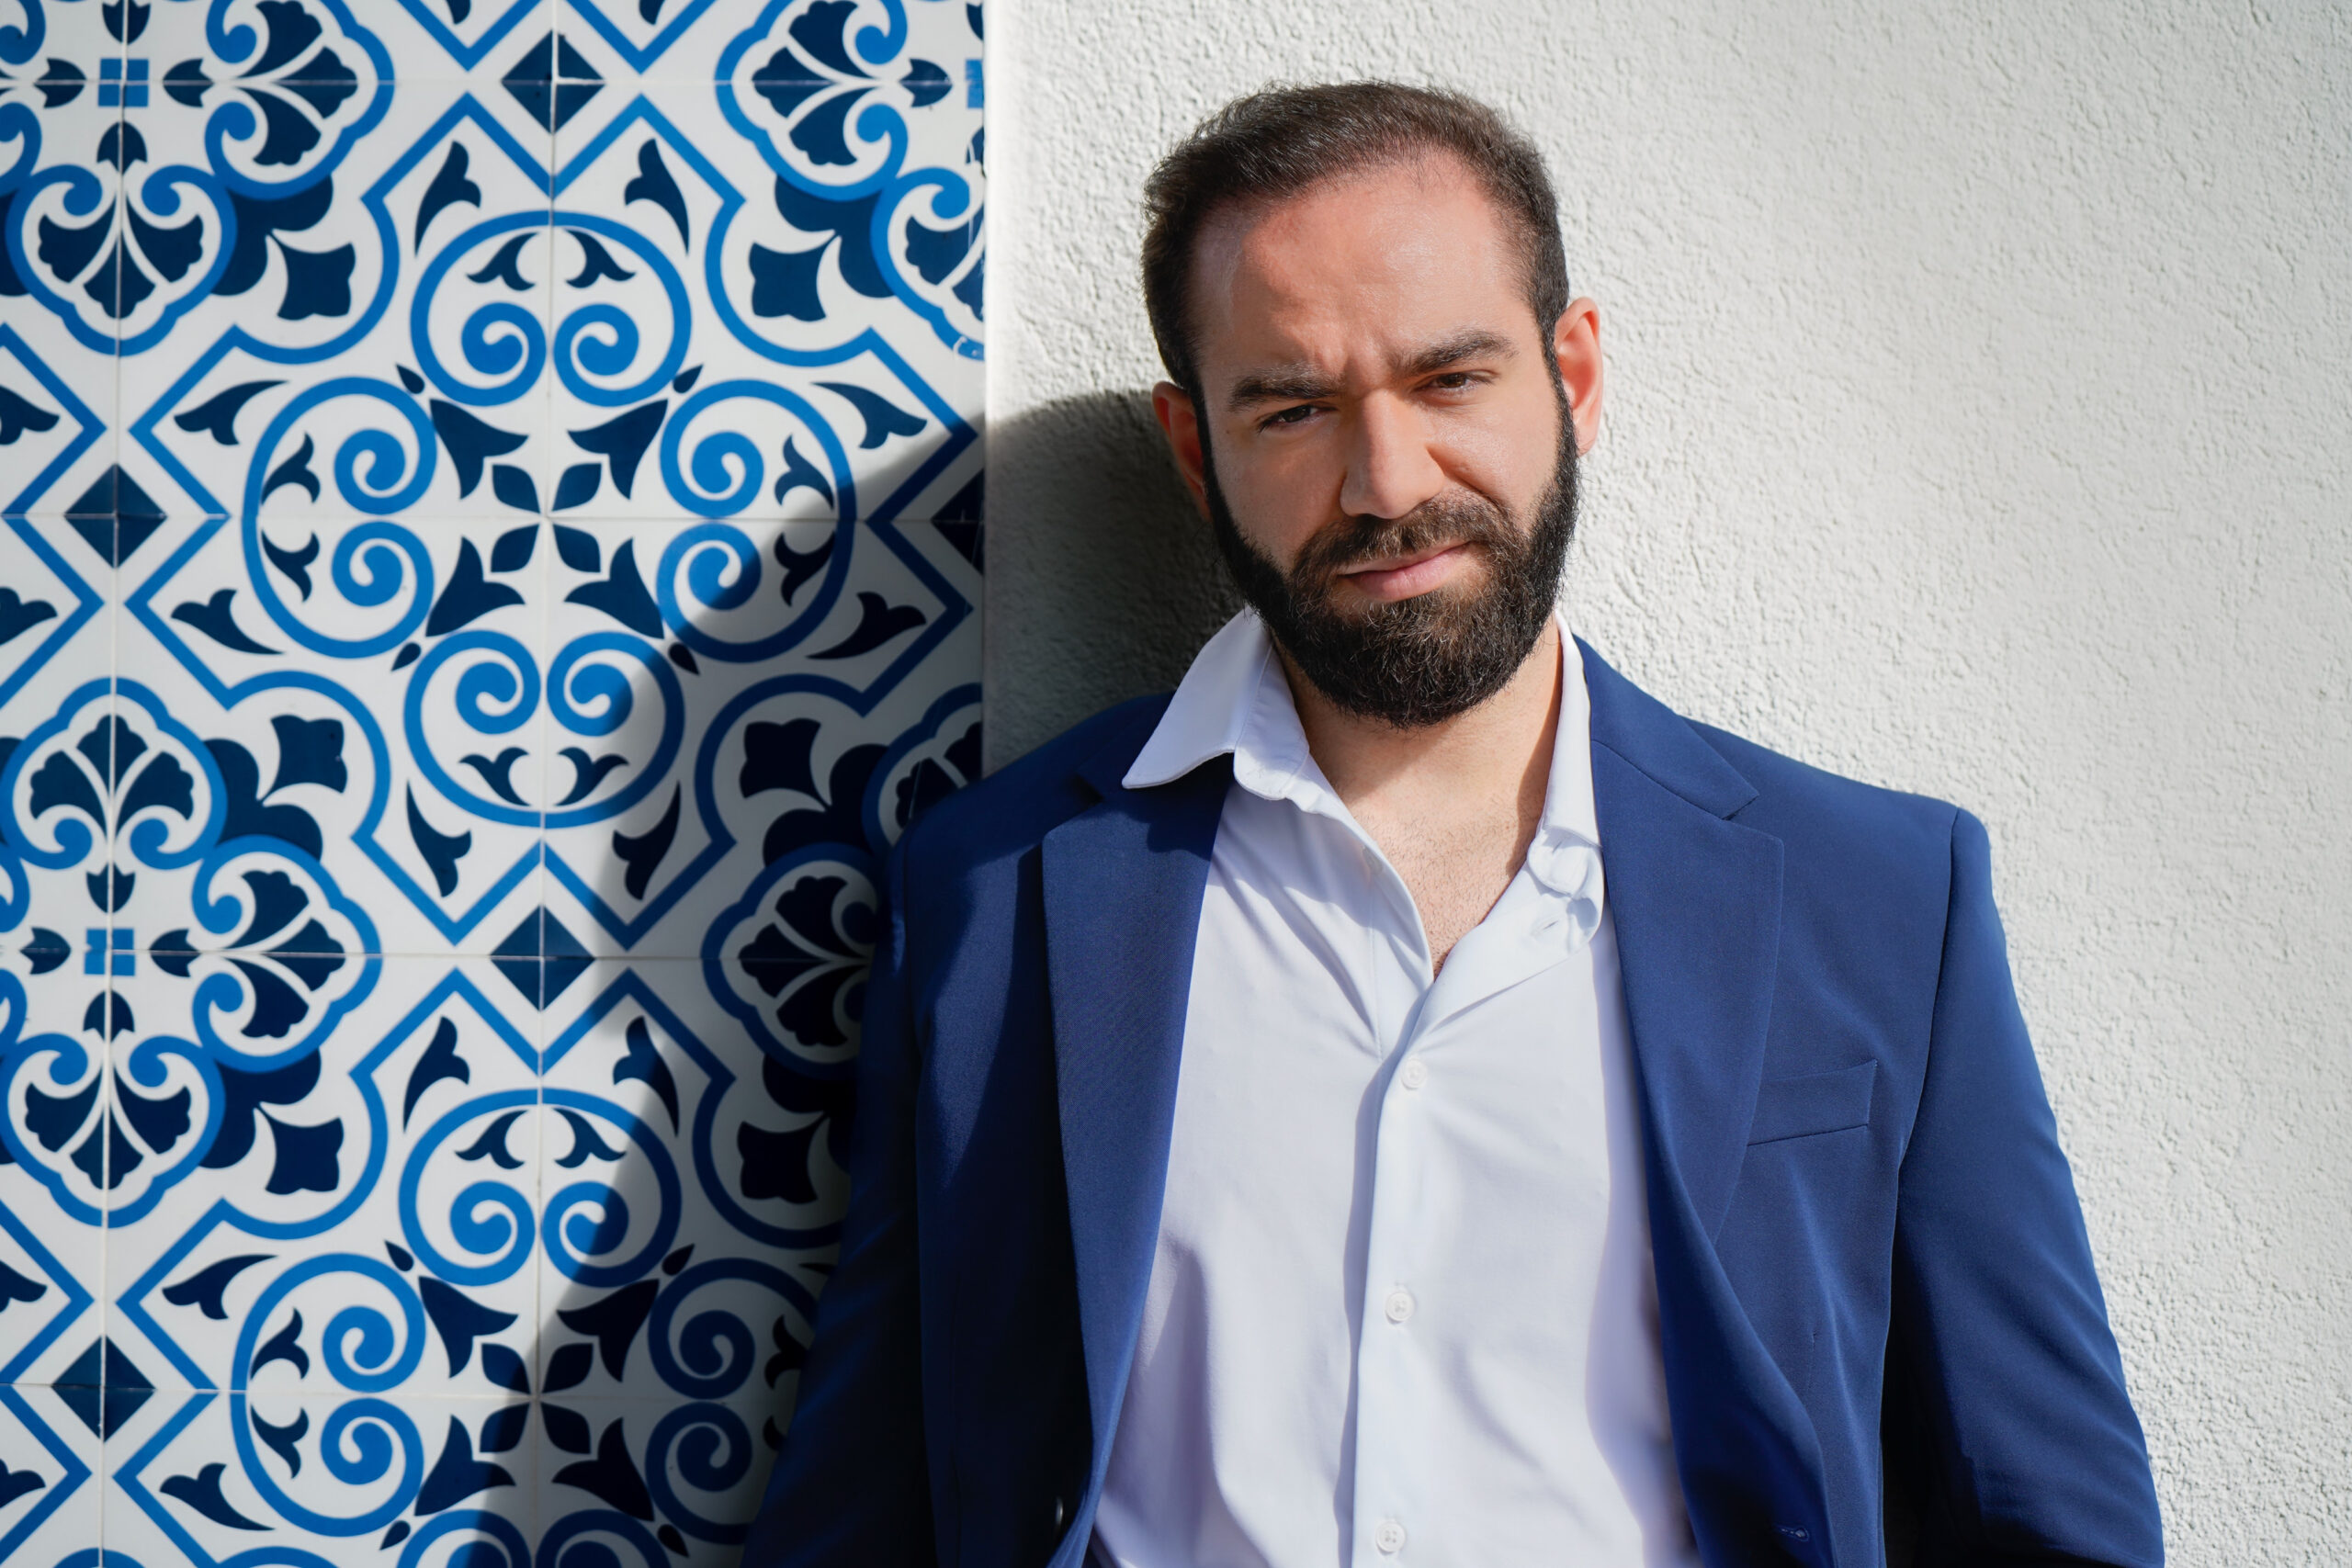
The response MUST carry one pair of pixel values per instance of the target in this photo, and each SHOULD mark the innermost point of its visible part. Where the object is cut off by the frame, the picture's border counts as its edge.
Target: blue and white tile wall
(489, 548)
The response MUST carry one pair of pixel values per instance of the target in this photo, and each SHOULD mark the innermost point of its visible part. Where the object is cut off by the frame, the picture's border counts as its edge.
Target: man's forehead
(1387, 264)
(1377, 212)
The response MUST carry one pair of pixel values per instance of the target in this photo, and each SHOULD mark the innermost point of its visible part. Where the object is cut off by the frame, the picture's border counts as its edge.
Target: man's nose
(1390, 467)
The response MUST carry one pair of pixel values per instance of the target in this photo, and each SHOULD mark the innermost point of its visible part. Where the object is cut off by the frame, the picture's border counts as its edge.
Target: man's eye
(1290, 415)
(1452, 381)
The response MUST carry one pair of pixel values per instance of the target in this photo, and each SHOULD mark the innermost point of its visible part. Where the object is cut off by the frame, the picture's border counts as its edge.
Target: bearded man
(1410, 1098)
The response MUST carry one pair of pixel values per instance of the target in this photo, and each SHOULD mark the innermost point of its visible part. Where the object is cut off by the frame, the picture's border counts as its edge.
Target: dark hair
(1285, 140)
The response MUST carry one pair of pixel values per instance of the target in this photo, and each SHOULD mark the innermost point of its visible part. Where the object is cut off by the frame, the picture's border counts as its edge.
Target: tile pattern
(489, 537)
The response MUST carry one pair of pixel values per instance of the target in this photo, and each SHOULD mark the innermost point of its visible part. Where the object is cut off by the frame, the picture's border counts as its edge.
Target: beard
(1412, 662)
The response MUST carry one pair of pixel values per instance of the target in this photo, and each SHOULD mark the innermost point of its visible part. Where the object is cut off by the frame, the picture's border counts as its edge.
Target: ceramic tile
(51, 1471)
(57, 618)
(63, 786)
(386, 329)
(247, 45)
(407, 779)
(800, 57)
(489, 551)
(490, 43)
(387, 1167)
(689, 1181)
(60, 427)
(924, 50)
(825, 378)
(278, 94)
(624, 43)
(652, 1481)
(333, 1476)
(799, 665)
(53, 1243)
(251, 46)
(54, 1079)
(57, 629)
(61, 336)
(72, 42)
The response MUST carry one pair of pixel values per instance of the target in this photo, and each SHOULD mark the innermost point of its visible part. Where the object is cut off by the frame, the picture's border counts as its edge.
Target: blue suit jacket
(1856, 1192)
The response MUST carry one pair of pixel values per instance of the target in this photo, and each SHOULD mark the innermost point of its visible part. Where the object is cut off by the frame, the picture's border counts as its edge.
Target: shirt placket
(1404, 1301)
(1392, 1370)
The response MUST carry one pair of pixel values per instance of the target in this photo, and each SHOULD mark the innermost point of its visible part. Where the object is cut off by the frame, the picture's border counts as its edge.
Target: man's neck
(1453, 805)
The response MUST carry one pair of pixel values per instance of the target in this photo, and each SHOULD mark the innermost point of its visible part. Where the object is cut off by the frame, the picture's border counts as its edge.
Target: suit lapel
(1696, 902)
(1123, 887)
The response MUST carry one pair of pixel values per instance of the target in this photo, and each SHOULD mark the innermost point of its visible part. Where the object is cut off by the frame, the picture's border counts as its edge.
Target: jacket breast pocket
(1816, 1103)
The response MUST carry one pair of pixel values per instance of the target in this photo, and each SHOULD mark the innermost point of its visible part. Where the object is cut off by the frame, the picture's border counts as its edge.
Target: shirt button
(1399, 1307)
(1414, 1074)
(1389, 1536)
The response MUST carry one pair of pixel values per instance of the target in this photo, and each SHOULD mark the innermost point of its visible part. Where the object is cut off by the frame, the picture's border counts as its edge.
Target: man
(1409, 1097)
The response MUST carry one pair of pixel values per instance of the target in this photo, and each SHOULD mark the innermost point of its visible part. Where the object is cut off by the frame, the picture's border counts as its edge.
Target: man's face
(1382, 439)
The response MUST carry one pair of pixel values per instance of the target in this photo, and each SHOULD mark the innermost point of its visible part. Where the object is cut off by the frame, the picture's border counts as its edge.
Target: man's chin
(1344, 599)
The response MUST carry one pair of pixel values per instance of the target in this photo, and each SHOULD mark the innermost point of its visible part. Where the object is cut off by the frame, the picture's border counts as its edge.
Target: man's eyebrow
(1287, 383)
(1302, 383)
(1472, 345)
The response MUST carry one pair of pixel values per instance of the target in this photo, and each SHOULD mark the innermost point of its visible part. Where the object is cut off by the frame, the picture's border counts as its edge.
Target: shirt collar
(1235, 700)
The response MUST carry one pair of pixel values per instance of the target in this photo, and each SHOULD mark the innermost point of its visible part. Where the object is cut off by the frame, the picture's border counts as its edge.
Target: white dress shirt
(1401, 1309)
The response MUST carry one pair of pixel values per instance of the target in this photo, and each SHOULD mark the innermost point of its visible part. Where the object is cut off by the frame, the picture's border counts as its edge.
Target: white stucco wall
(1979, 422)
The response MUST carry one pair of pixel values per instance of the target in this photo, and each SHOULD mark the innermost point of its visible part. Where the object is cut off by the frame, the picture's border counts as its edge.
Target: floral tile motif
(410, 779)
(668, 1127)
(57, 636)
(404, 1148)
(490, 516)
(68, 193)
(656, 1481)
(207, 1475)
(792, 641)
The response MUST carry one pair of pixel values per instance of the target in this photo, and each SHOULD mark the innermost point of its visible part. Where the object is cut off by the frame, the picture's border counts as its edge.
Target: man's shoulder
(1014, 808)
(1814, 812)
(1841, 824)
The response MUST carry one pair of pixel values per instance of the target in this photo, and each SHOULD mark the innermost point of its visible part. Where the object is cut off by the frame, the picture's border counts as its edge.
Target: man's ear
(1181, 422)
(1575, 349)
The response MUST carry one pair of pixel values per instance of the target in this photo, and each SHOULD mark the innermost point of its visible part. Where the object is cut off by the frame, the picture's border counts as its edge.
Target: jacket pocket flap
(1817, 1102)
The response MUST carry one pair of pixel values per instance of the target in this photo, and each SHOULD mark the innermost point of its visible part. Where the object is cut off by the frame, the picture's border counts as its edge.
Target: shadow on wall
(696, 1113)
(1102, 579)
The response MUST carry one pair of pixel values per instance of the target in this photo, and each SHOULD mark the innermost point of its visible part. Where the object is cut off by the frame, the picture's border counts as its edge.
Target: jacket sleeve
(851, 1487)
(2001, 1365)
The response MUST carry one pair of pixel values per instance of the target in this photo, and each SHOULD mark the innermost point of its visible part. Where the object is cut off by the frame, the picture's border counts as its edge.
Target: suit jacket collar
(1659, 741)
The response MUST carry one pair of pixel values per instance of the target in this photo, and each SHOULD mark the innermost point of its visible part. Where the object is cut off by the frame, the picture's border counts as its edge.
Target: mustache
(1439, 523)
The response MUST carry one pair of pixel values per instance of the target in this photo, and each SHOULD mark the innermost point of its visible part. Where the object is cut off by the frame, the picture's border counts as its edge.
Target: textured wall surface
(1980, 381)
(489, 550)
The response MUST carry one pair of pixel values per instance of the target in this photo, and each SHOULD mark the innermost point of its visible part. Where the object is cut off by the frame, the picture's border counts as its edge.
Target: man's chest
(1318, 1048)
